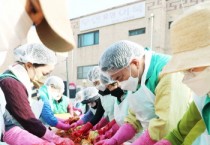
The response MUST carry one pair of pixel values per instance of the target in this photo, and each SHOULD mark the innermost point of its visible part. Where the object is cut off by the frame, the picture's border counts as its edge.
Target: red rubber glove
(101, 123)
(85, 128)
(107, 127)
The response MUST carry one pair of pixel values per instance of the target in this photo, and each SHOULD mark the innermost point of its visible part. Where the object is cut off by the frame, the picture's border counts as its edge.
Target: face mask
(198, 82)
(94, 105)
(118, 92)
(130, 84)
(105, 92)
(101, 87)
(55, 96)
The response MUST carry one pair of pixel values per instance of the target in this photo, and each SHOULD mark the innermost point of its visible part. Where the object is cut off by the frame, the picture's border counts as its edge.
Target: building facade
(146, 22)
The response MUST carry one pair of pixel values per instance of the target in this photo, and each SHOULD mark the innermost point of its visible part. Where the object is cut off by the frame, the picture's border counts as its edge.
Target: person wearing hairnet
(110, 129)
(94, 115)
(191, 54)
(154, 97)
(33, 63)
(81, 108)
(51, 94)
(120, 111)
(107, 101)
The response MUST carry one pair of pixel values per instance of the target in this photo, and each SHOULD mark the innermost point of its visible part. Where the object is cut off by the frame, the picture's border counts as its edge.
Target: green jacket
(191, 126)
(61, 106)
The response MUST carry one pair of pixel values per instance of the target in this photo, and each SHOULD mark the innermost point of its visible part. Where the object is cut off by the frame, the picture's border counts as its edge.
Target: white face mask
(55, 96)
(198, 82)
(130, 84)
(101, 87)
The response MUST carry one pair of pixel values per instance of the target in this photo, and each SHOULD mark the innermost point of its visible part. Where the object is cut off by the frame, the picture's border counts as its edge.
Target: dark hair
(38, 65)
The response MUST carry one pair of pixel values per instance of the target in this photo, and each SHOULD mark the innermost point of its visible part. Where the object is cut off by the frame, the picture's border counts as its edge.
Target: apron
(141, 102)
(120, 112)
(20, 73)
(204, 138)
(108, 102)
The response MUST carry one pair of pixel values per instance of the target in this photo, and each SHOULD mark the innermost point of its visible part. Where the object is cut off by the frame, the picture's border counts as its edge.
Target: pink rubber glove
(112, 131)
(62, 120)
(163, 142)
(144, 139)
(125, 133)
(85, 128)
(52, 137)
(101, 124)
(63, 126)
(18, 136)
(78, 123)
(77, 109)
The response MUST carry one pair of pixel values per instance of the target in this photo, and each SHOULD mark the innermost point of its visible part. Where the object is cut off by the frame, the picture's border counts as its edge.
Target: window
(137, 31)
(82, 71)
(169, 24)
(88, 39)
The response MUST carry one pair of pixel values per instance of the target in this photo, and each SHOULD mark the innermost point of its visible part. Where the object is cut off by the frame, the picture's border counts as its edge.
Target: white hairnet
(79, 96)
(106, 79)
(119, 55)
(56, 82)
(35, 53)
(90, 94)
(94, 74)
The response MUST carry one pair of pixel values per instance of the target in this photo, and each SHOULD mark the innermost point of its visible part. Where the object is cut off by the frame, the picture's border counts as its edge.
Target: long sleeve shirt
(94, 118)
(47, 114)
(18, 106)
(189, 127)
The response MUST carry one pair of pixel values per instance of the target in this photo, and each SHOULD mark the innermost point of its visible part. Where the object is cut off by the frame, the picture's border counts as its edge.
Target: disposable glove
(78, 123)
(107, 127)
(163, 142)
(85, 128)
(52, 137)
(125, 133)
(101, 124)
(144, 139)
(98, 138)
(62, 120)
(112, 131)
(63, 126)
(111, 141)
(18, 136)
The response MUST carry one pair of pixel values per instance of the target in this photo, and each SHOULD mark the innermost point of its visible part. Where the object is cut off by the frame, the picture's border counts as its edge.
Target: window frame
(95, 39)
(137, 31)
(84, 76)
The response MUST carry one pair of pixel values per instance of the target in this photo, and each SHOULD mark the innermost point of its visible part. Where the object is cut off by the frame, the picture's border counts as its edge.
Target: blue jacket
(47, 114)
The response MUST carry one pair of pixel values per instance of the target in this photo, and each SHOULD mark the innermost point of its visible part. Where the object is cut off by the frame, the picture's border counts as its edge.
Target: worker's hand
(63, 126)
(107, 127)
(85, 128)
(101, 123)
(34, 11)
(107, 142)
(144, 139)
(99, 138)
(163, 142)
(52, 137)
